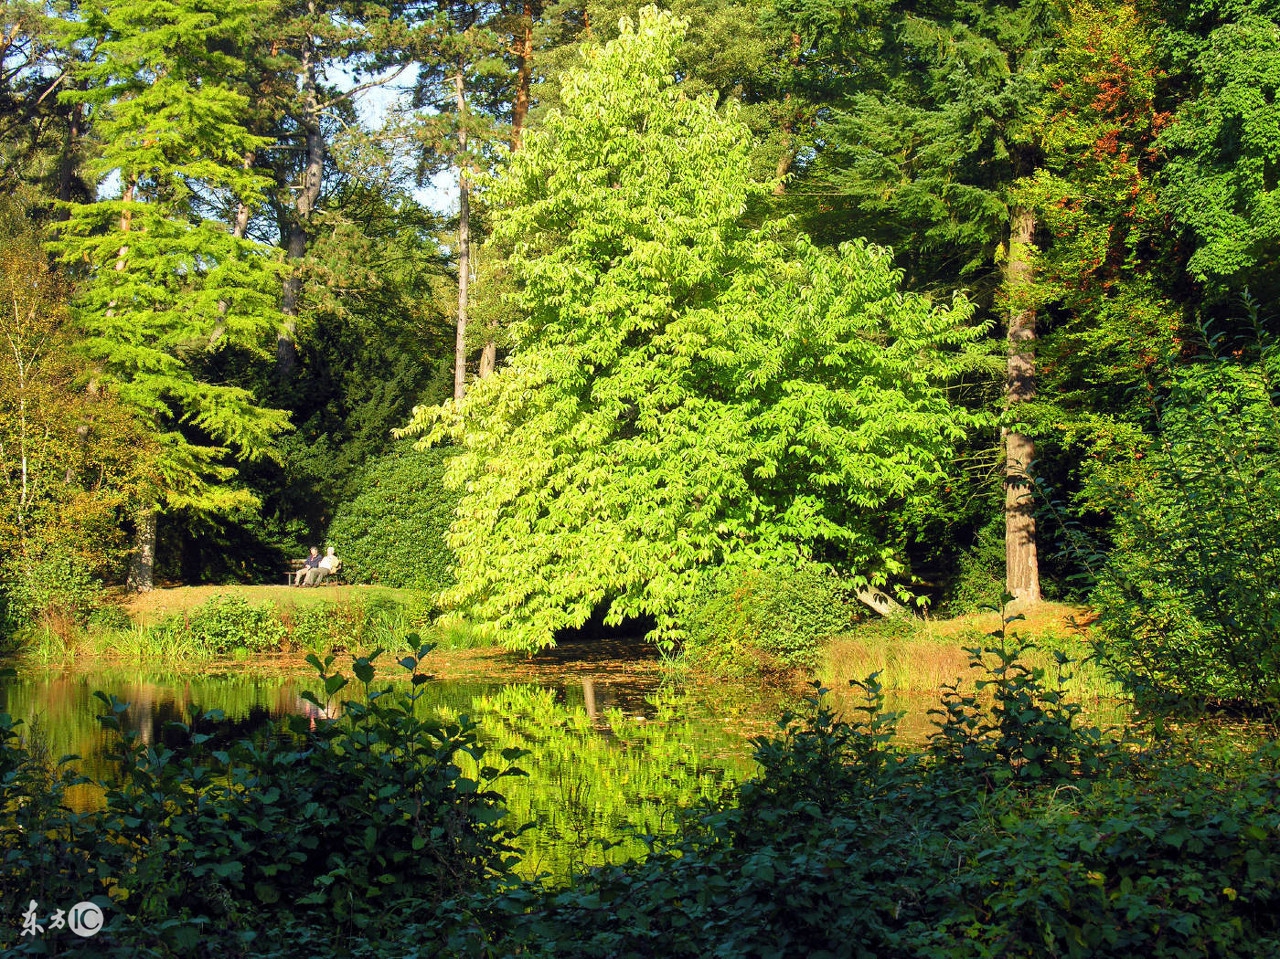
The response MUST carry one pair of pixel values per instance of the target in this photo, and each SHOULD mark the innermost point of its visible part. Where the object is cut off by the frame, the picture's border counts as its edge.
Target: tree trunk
(67, 162)
(788, 154)
(1022, 568)
(308, 198)
(786, 158)
(143, 562)
(239, 227)
(524, 76)
(489, 355)
(464, 242)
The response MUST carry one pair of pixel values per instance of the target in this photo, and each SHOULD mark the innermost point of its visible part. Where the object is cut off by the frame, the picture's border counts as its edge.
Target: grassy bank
(197, 623)
(145, 609)
(921, 655)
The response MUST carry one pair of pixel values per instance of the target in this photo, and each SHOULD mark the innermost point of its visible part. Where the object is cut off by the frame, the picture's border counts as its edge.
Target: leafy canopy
(686, 391)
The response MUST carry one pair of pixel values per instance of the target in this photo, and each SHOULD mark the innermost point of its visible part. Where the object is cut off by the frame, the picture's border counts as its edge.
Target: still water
(616, 746)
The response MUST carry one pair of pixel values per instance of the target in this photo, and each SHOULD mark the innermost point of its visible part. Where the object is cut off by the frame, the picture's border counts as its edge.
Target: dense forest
(714, 324)
(937, 298)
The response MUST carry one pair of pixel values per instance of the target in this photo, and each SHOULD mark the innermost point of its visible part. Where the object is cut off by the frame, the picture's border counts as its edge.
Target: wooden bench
(296, 564)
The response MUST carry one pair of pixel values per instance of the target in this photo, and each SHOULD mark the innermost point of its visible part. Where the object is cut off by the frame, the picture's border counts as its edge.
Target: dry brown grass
(147, 608)
(920, 655)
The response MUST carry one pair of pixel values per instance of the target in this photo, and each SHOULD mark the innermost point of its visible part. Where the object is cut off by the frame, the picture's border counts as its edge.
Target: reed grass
(920, 655)
(453, 632)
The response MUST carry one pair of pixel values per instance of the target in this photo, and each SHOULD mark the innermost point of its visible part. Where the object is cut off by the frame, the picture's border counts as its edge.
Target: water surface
(616, 745)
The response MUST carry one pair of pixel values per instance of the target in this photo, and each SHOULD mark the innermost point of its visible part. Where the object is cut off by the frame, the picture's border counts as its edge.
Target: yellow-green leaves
(686, 391)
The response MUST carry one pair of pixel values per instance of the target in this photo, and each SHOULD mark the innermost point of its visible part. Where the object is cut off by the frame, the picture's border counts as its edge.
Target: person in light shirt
(329, 563)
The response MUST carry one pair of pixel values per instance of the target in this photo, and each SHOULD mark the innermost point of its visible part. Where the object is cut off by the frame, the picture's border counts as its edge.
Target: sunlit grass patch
(147, 608)
(919, 655)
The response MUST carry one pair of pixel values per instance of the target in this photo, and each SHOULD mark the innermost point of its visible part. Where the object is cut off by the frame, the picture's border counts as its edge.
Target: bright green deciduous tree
(167, 285)
(685, 391)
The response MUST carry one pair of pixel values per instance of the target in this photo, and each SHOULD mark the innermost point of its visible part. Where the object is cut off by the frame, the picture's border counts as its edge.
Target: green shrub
(393, 532)
(847, 846)
(979, 570)
(754, 617)
(55, 591)
(108, 617)
(224, 624)
(360, 625)
(319, 837)
(1190, 598)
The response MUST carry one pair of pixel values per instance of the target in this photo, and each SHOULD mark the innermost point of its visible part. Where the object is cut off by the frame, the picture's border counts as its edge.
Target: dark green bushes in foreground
(1015, 831)
(320, 834)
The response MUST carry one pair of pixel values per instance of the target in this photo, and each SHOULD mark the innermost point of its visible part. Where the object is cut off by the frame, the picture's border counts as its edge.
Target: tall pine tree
(932, 110)
(165, 286)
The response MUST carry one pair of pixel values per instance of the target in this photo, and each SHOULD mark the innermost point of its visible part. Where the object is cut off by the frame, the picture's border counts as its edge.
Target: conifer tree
(932, 125)
(164, 286)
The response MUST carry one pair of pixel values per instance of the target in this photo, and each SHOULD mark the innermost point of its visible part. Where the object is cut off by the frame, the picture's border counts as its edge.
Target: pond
(616, 743)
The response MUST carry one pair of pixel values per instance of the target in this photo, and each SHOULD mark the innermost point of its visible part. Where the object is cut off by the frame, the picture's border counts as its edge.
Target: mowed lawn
(147, 608)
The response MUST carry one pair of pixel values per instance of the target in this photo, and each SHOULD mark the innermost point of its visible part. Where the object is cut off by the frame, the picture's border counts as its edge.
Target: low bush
(53, 591)
(354, 626)
(761, 617)
(224, 624)
(1190, 595)
(321, 836)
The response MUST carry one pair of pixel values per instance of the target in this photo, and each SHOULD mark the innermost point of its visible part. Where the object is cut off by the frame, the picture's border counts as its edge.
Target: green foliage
(1027, 733)
(169, 291)
(845, 845)
(225, 623)
(393, 531)
(55, 591)
(69, 460)
(334, 828)
(1220, 181)
(685, 391)
(1111, 330)
(1188, 598)
(604, 780)
(762, 617)
(354, 626)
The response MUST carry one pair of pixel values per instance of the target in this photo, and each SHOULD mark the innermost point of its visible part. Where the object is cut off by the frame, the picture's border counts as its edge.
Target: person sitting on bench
(329, 564)
(311, 562)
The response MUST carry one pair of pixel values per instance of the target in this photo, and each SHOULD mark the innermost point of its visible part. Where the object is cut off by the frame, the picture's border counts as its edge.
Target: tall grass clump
(925, 656)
